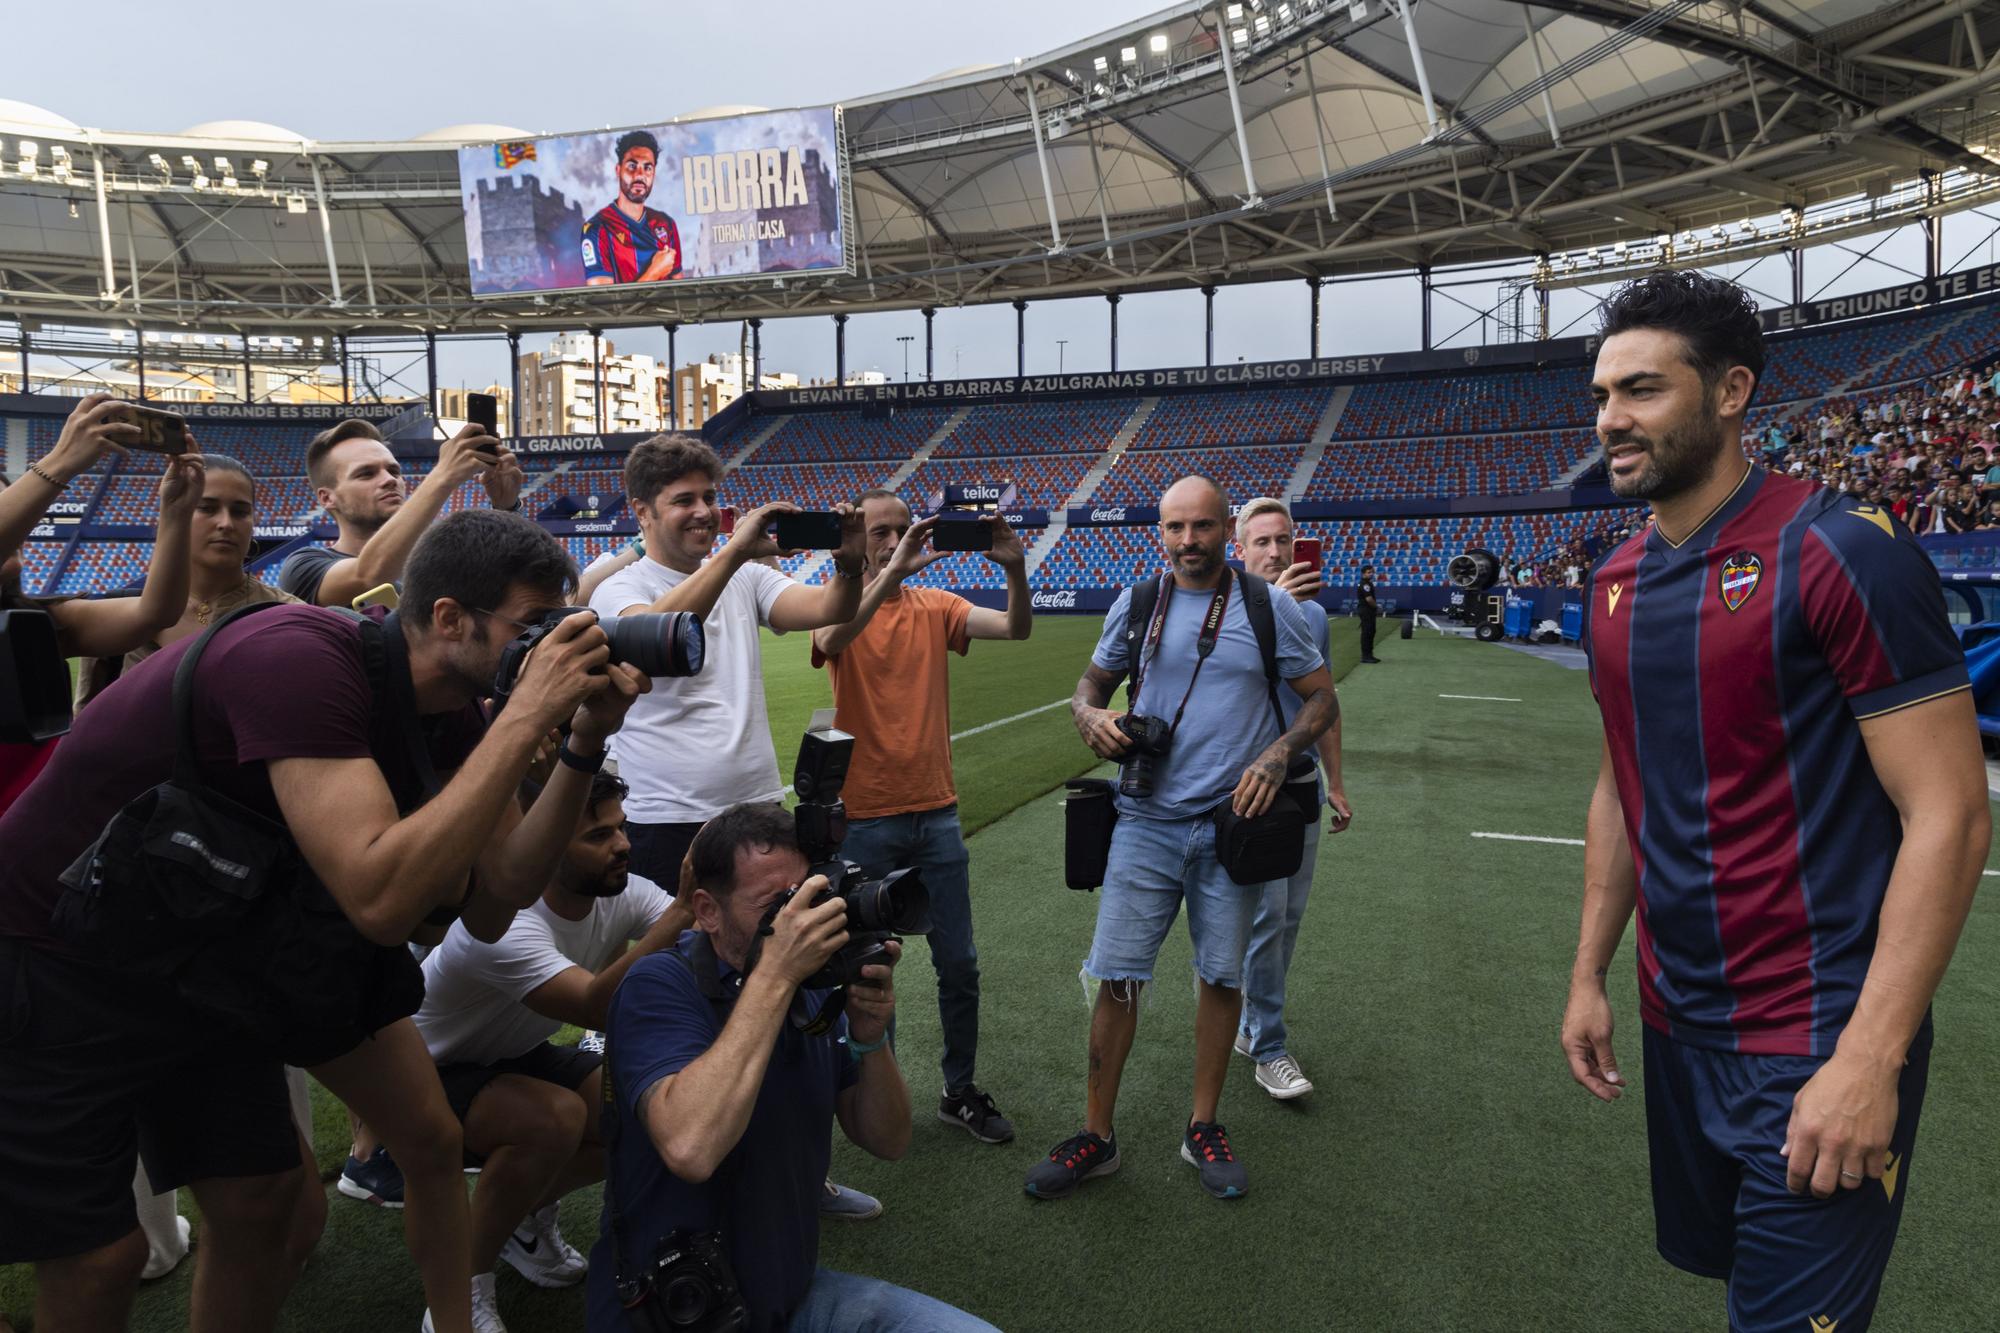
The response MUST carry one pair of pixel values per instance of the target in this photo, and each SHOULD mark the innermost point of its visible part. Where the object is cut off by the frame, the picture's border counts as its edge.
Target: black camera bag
(1089, 815)
(189, 887)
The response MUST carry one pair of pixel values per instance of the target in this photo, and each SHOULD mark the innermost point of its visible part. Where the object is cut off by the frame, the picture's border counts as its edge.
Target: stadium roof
(1377, 139)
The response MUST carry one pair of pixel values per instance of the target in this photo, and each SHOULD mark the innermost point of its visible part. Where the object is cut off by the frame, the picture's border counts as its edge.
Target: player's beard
(637, 192)
(1682, 458)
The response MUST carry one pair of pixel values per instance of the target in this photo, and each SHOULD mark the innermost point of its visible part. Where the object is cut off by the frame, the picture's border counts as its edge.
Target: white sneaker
(539, 1253)
(1242, 1046)
(593, 1042)
(159, 1265)
(485, 1308)
(1282, 1079)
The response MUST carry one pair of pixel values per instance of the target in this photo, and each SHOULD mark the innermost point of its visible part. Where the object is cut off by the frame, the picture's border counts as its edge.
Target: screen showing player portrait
(732, 197)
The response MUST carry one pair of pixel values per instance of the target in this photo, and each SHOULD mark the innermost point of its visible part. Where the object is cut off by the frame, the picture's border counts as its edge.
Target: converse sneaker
(1070, 1163)
(848, 1205)
(539, 1253)
(1242, 1046)
(1206, 1149)
(592, 1042)
(1282, 1079)
(485, 1308)
(378, 1180)
(974, 1112)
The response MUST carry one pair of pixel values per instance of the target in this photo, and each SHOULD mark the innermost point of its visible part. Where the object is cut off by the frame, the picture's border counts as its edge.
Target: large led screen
(700, 200)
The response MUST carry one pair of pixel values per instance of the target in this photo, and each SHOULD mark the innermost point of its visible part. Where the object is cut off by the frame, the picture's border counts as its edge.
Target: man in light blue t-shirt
(1264, 535)
(1226, 747)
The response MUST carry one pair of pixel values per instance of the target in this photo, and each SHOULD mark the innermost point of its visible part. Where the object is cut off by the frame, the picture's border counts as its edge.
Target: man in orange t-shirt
(892, 693)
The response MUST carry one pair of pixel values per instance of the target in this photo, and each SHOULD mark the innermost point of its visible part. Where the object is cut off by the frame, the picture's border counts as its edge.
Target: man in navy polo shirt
(722, 1106)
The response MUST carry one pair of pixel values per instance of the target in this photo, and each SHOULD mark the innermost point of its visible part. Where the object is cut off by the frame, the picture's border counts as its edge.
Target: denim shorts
(1154, 865)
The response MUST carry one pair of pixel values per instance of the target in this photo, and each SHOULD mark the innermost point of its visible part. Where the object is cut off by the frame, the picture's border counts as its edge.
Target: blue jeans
(839, 1302)
(930, 841)
(1155, 864)
(1274, 930)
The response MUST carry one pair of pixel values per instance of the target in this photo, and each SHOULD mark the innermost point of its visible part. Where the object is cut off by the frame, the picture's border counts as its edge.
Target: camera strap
(1204, 644)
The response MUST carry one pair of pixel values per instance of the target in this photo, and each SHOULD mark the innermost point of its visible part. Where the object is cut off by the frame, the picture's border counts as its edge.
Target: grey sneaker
(1282, 1079)
(1076, 1159)
(1205, 1147)
(1242, 1042)
(848, 1205)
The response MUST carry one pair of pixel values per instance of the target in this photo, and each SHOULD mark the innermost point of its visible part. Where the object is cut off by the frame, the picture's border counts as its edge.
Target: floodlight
(159, 164)
(200, 180)
(1100, 64)
(1239, 37)
(223, 168)
(259, 168)
(1157, 44)
(295, 203)
(187, 160)
(1234, 13)
(1129, 55)
(1284, 13)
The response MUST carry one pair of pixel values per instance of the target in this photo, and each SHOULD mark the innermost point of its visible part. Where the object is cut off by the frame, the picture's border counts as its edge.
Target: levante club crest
(1740, 573)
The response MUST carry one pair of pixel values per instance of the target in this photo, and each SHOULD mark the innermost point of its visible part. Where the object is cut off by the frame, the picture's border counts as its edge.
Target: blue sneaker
(1205, 1147)
(376, 1181)
(848, 1205)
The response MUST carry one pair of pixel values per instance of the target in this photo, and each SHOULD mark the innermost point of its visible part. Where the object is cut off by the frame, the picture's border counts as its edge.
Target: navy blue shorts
(1716, 1121)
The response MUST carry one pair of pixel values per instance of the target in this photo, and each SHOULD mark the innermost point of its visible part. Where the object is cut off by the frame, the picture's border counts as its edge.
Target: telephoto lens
(659, 644)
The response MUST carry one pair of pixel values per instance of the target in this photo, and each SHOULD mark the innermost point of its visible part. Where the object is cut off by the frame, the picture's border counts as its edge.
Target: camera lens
(688, 1300)
(897, 902)
(670, 644)
(1135, 779)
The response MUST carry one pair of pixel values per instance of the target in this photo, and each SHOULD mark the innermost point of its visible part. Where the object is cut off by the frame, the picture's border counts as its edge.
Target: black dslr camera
(1150, 738)
(689, 1290)
(877, 909)
(672, 644)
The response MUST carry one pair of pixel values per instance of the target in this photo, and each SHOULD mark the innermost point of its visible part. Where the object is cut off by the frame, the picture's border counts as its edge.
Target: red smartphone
(1309, 550)
(728, 520)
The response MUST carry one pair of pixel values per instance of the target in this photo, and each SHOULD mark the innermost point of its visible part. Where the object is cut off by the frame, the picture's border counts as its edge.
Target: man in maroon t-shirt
(95, 1063)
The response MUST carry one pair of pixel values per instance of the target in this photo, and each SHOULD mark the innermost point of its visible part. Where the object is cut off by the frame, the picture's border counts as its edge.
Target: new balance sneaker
(485, 1308)
(539, 1253)
(592, 1042)
(1242, 1046)
(378, 1180)
(974, 1112)
(1206, 1149)
(1071, 1162)
(1282, 1079)
(846, 1205)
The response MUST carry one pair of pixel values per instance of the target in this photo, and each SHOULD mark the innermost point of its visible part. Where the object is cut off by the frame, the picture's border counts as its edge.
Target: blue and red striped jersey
(618, 248)
(1733, 670)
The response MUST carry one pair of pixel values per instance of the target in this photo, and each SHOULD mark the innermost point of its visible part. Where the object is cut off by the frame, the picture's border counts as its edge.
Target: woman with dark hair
(86, 628)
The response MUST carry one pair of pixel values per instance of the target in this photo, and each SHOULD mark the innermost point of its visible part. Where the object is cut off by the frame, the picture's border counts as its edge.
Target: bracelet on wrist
(36, 468)
(582, 763)
(858, 1048)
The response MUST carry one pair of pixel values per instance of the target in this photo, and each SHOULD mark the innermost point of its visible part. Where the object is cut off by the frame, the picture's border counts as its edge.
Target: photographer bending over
(892, 689)
(529, 1107)
(722, 1106)
(105, 1051)
(1202, 741)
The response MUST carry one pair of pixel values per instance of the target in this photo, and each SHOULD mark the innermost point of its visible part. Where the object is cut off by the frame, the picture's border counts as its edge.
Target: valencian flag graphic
(508, 155)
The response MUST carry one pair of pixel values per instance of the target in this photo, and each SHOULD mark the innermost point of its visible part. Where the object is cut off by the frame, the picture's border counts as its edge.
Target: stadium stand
(848, 436)
(1435, 406)
(1140, 478)
(1249, 416)
(1005, 429)
(1042, 482)
(1475, 465)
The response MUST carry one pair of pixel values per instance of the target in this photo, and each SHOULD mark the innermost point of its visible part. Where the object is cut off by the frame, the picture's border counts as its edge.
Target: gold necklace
(203, 610)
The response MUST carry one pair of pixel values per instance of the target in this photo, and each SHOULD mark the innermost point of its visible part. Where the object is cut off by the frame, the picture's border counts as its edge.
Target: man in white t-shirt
(530, 1107)
(699, 744)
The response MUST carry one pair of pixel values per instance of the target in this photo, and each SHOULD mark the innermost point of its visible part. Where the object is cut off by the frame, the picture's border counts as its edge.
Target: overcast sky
(375, 69)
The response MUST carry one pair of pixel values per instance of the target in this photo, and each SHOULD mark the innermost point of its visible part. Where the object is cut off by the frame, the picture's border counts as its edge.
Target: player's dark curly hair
(636, 139)
(1716, 319)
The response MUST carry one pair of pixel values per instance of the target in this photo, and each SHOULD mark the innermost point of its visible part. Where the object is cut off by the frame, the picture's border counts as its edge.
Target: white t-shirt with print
(699, 744)
(472, 1012)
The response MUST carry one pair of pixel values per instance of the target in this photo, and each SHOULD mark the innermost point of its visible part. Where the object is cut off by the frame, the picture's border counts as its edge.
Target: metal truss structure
(1204, 144)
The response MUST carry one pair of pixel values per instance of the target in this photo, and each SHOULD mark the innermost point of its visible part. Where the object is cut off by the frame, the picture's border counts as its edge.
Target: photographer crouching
(725, 1077)
(216, 875)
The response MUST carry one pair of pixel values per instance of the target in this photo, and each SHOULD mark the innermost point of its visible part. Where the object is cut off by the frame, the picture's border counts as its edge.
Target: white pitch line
(1001, 722)
(1483, 698)
(1528, 837)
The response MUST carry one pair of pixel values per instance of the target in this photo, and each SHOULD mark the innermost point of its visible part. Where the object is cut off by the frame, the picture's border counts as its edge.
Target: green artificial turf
(1446, 1175)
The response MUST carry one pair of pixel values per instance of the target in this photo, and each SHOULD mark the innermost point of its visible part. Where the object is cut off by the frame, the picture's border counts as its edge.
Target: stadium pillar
(673, 359)
(431, 370)
(839, 350)
(139, 360)
(248, 396)
(1111, 299)
(930, 313)
(756, 356)
(1208, 326)
(1424, 280)
(346, 390)
(597, 372)
(1798, 258)
(27, 366)
(1312, 285)
(513, 382)
(1020, 339)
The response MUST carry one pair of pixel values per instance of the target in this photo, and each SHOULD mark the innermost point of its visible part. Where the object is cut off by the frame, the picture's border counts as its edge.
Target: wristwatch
(581, 763)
